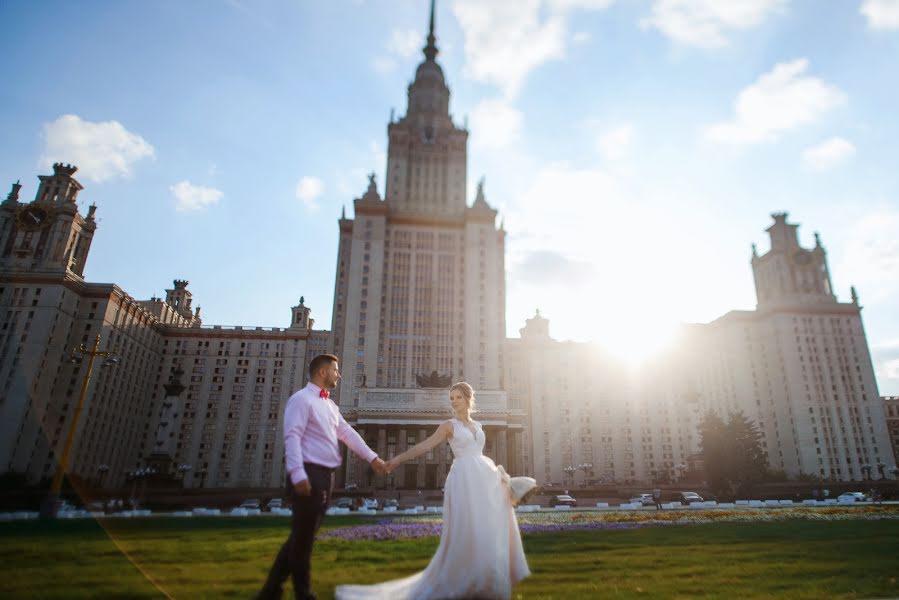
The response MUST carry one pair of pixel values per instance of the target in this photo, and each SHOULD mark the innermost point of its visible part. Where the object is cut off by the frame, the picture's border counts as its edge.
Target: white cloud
(562, 5)
(616, 143)
(871, 255)
(495, 123)
(779, 100)
(506, 39)
(405, 43)
(194, 197)
(101, 151)
(881, 14)
(548, 267)
(581, 37)
(706, 23)
(829, 153)
(308, 190)
(891, 369)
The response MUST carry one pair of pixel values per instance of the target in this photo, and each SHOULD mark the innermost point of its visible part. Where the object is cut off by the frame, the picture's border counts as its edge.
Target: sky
(634, 148)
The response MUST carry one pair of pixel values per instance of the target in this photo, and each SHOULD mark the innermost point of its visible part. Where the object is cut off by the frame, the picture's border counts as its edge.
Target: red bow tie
(324, 394)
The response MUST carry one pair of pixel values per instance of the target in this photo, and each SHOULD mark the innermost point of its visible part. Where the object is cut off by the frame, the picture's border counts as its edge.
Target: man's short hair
(319, 362)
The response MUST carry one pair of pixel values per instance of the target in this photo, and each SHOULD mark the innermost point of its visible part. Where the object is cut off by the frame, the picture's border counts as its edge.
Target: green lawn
(228, 558)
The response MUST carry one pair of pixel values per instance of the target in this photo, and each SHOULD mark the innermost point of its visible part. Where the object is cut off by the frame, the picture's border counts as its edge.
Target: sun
(634, 337)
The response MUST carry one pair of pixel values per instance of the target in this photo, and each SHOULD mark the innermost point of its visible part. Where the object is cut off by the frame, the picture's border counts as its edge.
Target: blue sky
(635, 148)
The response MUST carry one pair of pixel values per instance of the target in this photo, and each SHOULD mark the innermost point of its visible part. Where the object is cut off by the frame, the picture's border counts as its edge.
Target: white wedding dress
(480, 553)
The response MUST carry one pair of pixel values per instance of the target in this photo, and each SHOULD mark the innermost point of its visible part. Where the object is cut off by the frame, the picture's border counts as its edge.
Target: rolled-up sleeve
(295, 419)
(354, 441)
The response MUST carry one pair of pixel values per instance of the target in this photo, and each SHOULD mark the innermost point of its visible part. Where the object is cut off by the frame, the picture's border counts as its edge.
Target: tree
(732, 453)
(749, 461)
(713, 444)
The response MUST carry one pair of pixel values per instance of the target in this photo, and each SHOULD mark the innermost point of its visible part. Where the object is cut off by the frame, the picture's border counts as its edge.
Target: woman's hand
(392, 464)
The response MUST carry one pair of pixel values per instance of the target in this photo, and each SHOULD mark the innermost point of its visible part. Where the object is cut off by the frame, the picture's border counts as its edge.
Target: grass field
(229, 558)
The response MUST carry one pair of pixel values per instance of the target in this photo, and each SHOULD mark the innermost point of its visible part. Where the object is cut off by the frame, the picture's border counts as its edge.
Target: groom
(312, 426)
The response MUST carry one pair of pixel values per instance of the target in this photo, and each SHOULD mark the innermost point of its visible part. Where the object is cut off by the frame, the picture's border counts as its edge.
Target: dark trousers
(295, 557)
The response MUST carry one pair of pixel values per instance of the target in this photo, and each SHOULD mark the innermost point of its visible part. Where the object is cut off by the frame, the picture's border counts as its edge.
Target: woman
(480, 553)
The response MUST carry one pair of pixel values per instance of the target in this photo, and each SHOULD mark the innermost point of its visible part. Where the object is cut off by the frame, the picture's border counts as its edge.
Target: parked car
(643, 500)
(562, 500)
(687, 497)
(390, 502)
(250, 504)
(852, 497)
(274, 503)
(370, 503)
(344, 503)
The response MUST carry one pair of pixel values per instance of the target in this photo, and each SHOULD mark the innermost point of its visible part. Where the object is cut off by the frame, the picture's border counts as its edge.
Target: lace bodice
(464, 443)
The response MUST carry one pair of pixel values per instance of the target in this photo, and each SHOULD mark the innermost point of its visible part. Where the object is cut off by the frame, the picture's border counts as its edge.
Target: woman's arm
(442, 434)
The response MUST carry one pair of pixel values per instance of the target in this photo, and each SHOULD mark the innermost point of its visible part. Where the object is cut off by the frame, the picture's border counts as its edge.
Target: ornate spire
(479, 199)
(431, 50)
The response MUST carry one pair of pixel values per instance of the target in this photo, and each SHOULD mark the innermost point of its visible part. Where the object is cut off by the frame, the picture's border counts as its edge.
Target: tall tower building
(419, 298)
(798, 365)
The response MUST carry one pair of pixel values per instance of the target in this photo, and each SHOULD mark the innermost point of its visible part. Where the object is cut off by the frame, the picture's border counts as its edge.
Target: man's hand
(379, 466)
(303, 488)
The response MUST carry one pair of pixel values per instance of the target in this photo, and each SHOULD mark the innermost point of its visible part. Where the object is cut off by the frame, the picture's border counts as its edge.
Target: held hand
(303, 488)
(379, 466)
(392, 464)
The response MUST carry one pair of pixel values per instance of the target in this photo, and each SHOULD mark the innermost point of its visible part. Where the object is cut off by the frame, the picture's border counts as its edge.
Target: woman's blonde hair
(467, 393)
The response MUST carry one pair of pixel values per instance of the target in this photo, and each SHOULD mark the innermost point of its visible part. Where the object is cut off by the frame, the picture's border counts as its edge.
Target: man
(312, 426)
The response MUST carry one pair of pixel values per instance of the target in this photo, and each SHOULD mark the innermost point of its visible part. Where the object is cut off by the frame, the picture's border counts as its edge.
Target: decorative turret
(535, 328)
(47, 234)
(300, 316)
(13, 197)
(789, 274)
(180, 299)
(60, 188)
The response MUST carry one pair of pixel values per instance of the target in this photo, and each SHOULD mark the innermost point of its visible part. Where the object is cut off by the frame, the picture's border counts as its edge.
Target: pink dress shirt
(312, 426)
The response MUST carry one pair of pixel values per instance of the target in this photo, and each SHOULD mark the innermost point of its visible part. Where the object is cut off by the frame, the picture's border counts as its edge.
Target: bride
(480, 553)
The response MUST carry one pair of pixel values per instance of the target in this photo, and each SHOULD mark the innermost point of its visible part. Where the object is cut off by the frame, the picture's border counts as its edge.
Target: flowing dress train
(480, 553)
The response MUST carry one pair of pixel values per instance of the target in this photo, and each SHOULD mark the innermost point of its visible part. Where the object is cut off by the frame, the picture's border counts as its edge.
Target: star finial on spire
(431, 50)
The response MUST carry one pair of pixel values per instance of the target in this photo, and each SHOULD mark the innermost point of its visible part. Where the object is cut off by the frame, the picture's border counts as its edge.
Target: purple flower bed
(544, 527)
(386, 529)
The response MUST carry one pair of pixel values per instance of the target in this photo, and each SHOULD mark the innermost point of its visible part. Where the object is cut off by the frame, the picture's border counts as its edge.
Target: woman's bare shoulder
(447, 427)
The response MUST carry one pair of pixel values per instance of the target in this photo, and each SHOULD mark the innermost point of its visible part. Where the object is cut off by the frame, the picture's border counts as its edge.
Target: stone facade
(235, 379)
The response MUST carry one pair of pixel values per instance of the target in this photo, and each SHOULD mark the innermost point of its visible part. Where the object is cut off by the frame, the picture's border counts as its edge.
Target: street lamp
(894, 471)
(183, 468)
(679, 469)
(569, 473)
(880, 468)
(866, 470)
(51, 504)
(139, 474)
(202, 475)
(101, 470)
(587, 468)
